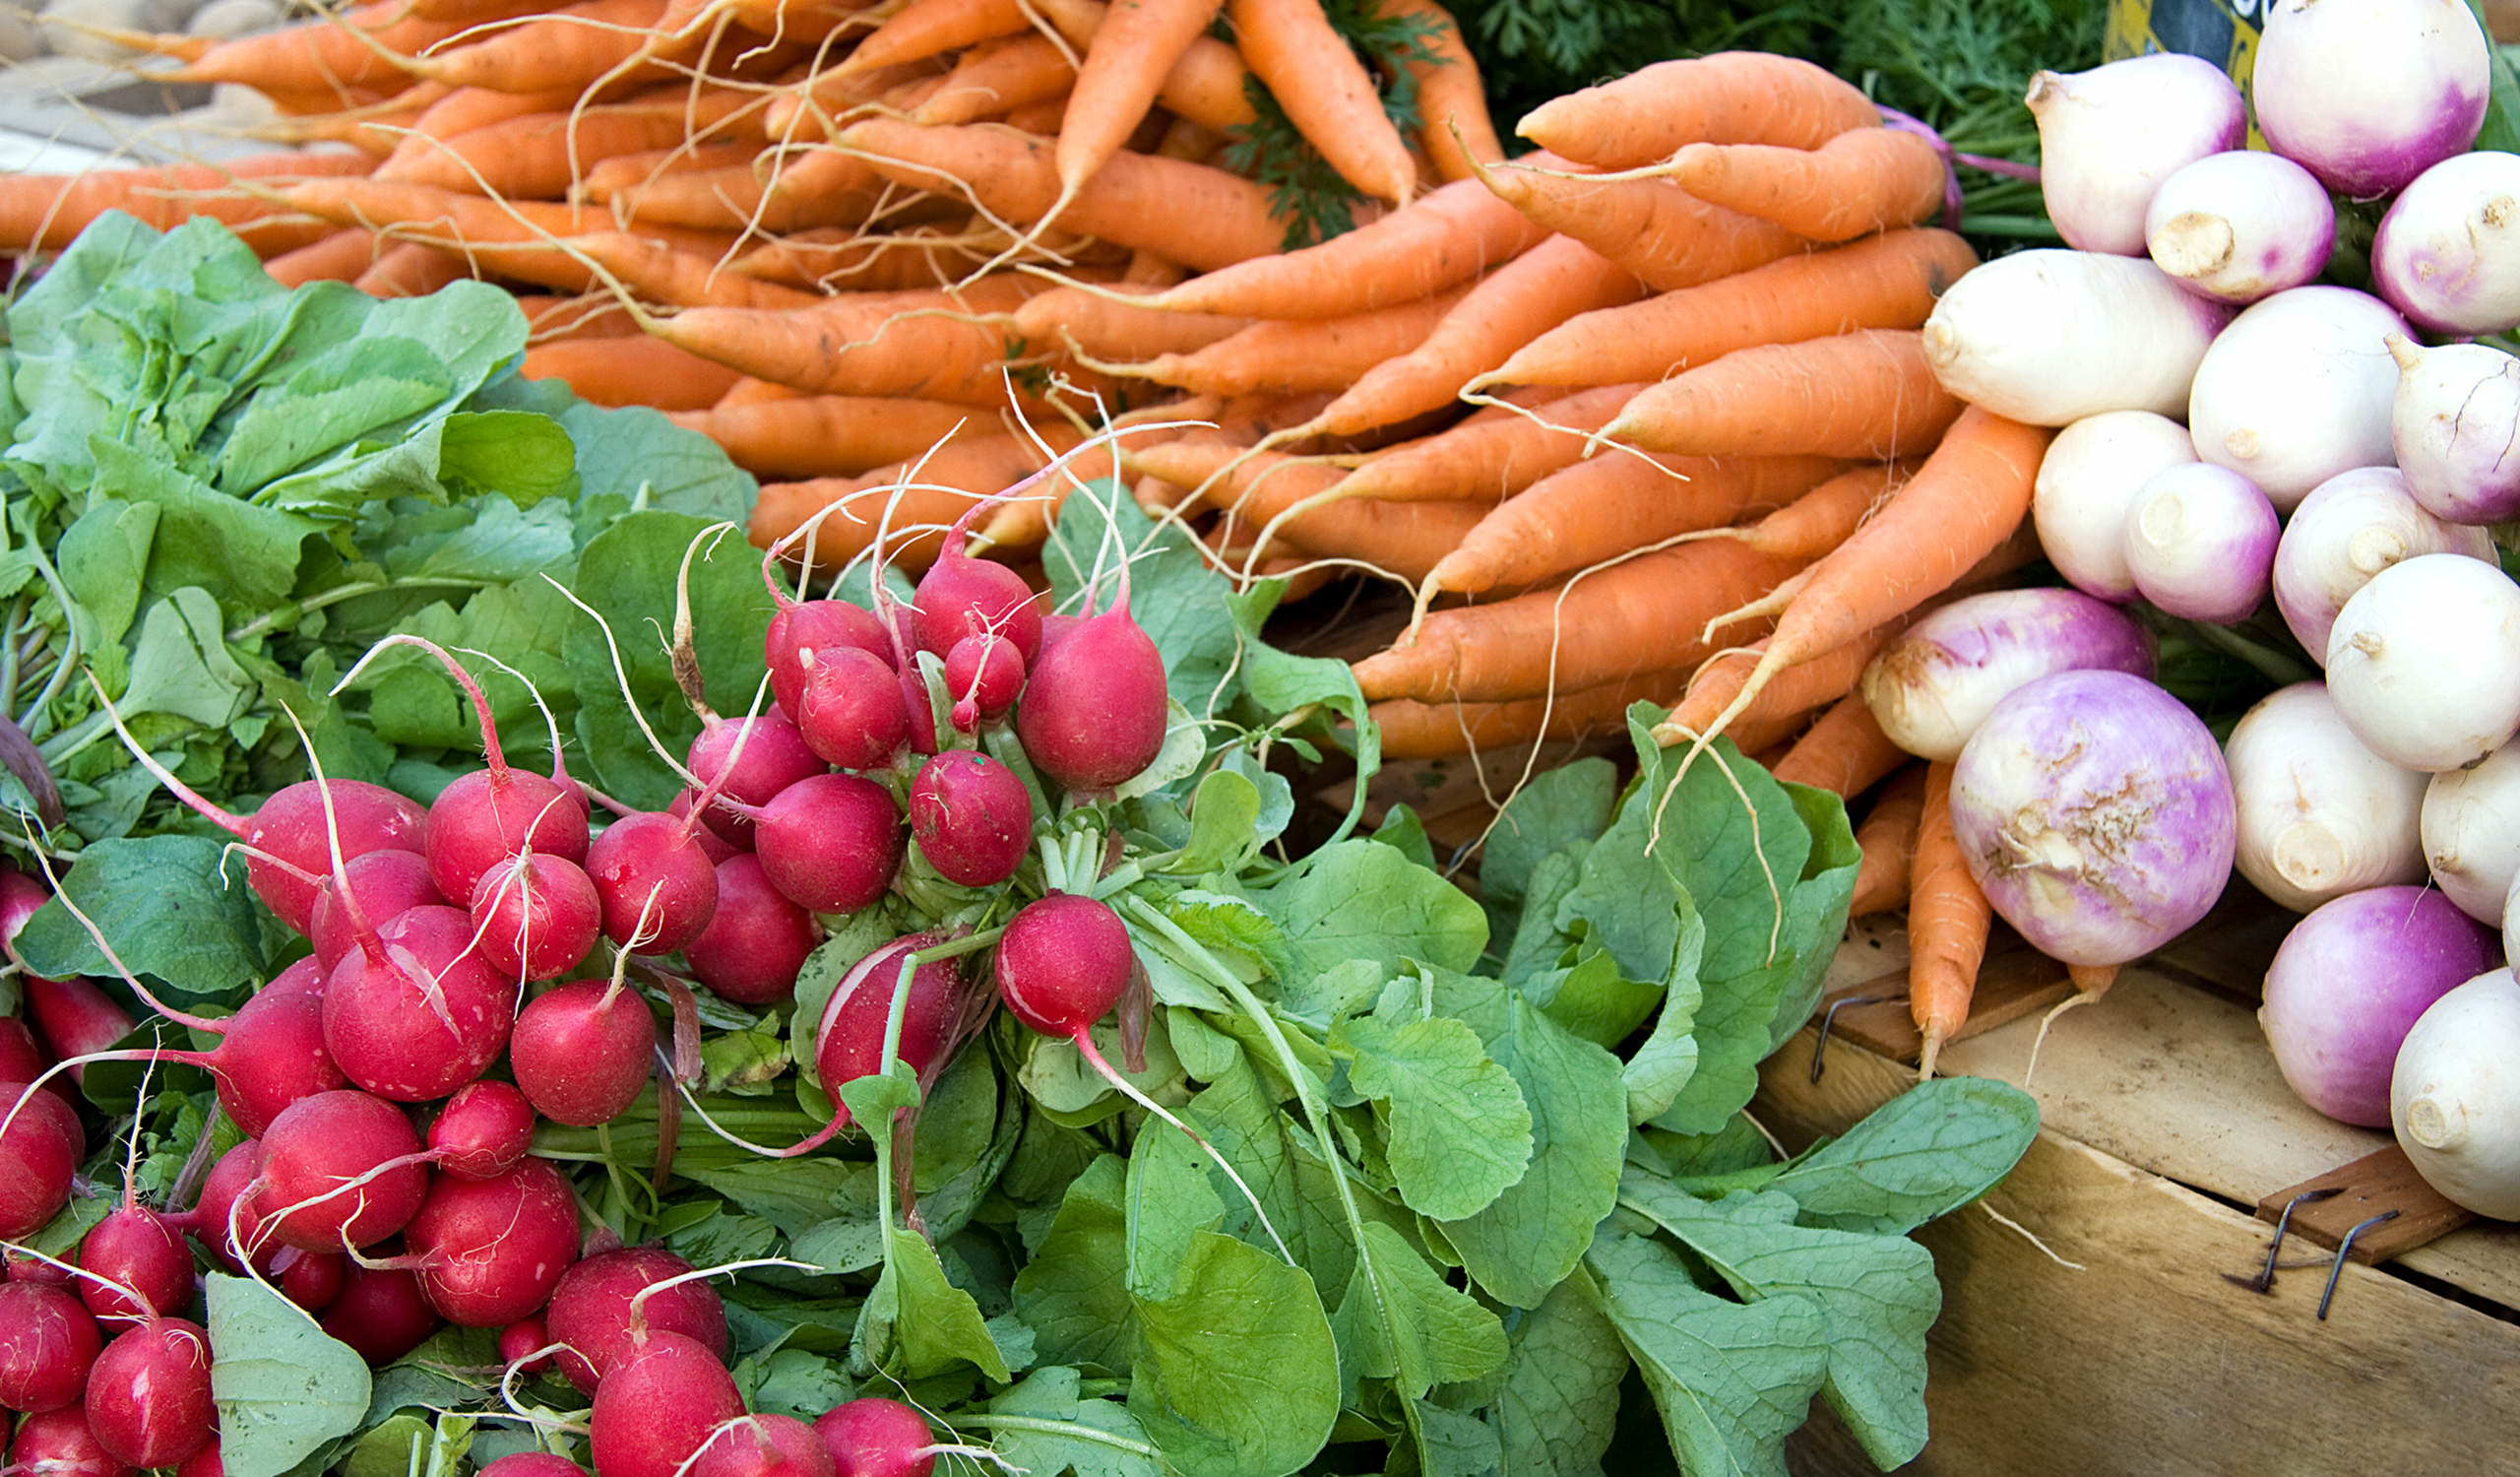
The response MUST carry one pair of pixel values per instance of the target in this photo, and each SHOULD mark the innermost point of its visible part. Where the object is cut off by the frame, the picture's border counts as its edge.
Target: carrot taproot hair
(1888, 281)
(1103, 325)
(1491, 459)
(1132, 51)
(849, 259)
(1870, 393)
(1845, 754)
(1668, 237)
(1863, 180)
(630, 371)
(942, 487)
(1888, 841)
(995, 78)
(1948, 920)
(1798, 688)
(1454, 126)
(1290, 358)
(1326, 92)
(1728, 98)
(338, 257)
(788, 435)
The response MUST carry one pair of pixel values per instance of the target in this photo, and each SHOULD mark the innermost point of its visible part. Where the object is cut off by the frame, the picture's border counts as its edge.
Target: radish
(230, 1183)
(592, 1317)
(852, 709)
(656, 885)
(848, 1041)
(1094, 709)
(2369, 93)
(2349, 983)
(2242, 224)
(381, 884)
(2350, 528)
(339, 1168)
(532, 1464)
(47, 1341)
(656, 1407)
(202, 1463)
(536, 916)
(21, 1059)
(482, 1131)
(972, 817)
(2319, 816)
(756, 940)
(873, 1437)
(58, 1444)
(2447, 254)
(985, 674)
(381, 1313)
(303, 974)
(2086, 484)
(2108, 137)
(582, 1051)
(40, 1149)
(310, 1279)
(134, 1250)
(148, 1394)
(488, 1252)
(520, 1346)
(764, 1445)
(2050, 337)
(418, 1011)
(2200, 543)
(960, 596)
(77, 1018)
(2094, 811)
(2453, 1096)
(2298, 389)
(801, 628)
(1932, 686)
(768, 754)
(708, 842)
(830, 843)
(2472, 832)
(2455, 426)
(2425, 662)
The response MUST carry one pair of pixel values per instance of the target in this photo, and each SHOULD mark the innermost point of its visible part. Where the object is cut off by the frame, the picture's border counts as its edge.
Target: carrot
(1132, 51)
(1863, 180)
(808, 190)
(1826, 517)
(423, 211)
(1668, 237)
(1948, 919)
(1326, 92)
(823, 435)
(461, 111)
(1843, 753)
(1413, 730)
(996, 78)
(1491, 459)
(630, 371)
(920, 344)
(571, 45)
(1962, 506)
(1451, 104)
(1290, 358)
(1258, 489)
(751, 392)
(410, 270)
(849, 259)
(1191, 214)
(1888, 840)
(46, 212)
(1825, 678)
(1599, 509)
(376, 130)
(1100, 325)
(543, 155)
(338, 257)
(1871, 393)
(1729, 98)
(1508, 308)
(624, 175)
(968, 468)
(371, 44)
(597, 316)
(1630, 618)
(1401, 539)
(1888, 281)
(658, 271)
(931, 28)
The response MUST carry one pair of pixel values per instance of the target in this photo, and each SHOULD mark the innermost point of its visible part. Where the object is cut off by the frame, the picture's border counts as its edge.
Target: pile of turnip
(2252, 439)
(523, 954)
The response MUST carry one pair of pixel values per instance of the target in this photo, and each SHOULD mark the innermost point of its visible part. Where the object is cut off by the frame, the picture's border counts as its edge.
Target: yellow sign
(2223, 31)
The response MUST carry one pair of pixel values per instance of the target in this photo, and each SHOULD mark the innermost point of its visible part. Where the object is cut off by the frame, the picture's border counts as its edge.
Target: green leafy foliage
(283, 1388)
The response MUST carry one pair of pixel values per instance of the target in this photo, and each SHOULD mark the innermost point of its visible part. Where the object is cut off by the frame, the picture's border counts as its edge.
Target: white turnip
(2200, 543)
(2088, 481)
(2447, 254)
(2348, 985)
(2050, 337)
(2425, 662)
(2471, 828)
(2349, 529)
(2369, 93)
(2108, 137)
(2240, 225)
(2455, 426)
(2319, 816)
(2454, 1098)
(2298, 389)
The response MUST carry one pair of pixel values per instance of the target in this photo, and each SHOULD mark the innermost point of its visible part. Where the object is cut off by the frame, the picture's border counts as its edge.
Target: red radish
(58, 1444)
(873, 1437)
(657, 888)
(532, 1464)
(302, 975)
(22, 1267)
(339, 1167)
(831, 844)
(802, 631)
(76, 1019)
(852, 708)
(656, 1406)
(230, 1180)
(972, 817)
(942, 1008)
(310, 1279)
(202, 1464)
(482, 1131)
(708, 842)
(520, 1346)
(582, 1051)
(756, 939)
(383, 884)
(1093, 712)
(985, 674)
(148, 1394)
(916, 704)
(488, 1252)
(21, 1059)
(960, 596)
(767, 754)
(764, 1445)
(536, 916)
(486, 815)
(47, 1341)
(134, 1250)
(39, 1150)
(592, 1319)
(381, 1313)
(418, 1011)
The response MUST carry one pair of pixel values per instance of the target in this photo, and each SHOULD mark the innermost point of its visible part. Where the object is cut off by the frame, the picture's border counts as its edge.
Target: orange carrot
(1188, 213)
(1845, 752)
(423, 212)
(749, 392)
(1962, 505)
(1865, 179)
(1413, 730)
(1259, 490)
(1668, 237)
(1597, 510)
(1729, 98)
(1634, 616)
(461, 111)
(908, 343)
(1136, 46)
(1326, 92)
(323, 55)
(996, 78)
(46, 212)
(1948, 919)
(630, 371)
(931, 28)
(968, 468)
(845, 259)
(1825, 678)
(807, 191)
(1888, 840)
(1871, 393)
(1040, 117)
(1508, 308)
(624, 175)
(595, 316)
(1826, 517)
(410, 270)
(1100, 326)
(1451, 104)
(543, 155)
(1494, 458)
(1888, 281)
(824, 435)
(338, 257)
(1284, 359)
(657, 272)
(572, 45)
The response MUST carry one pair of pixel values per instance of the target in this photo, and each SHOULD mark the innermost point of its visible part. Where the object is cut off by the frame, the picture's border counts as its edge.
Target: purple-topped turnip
(2108, 137)
(2369, 93)
(2349, 529)
(2454, 1098)
(2456, 428)
(2471, 828)
(2425, 662)
(2088, 481)
(1932, 687)
(2240, 225)
(2200, 541)
(2349, 981)
(2320, 814)
(2447, 254)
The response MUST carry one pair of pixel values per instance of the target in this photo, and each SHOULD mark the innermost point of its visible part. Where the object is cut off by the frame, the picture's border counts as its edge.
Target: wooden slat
(2015, 981)
(2372, 1186)
(2230, 950)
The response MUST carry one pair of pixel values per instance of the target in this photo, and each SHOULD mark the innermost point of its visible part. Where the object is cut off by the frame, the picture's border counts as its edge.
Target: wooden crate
(2165, 1124)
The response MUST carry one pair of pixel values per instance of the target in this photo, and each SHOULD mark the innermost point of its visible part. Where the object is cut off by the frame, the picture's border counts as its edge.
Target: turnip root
(2108, 139)
(2298, 389)
(2240, 225)
(2369, 93)
(2200, 541)
(1932, 686)
(2088, 481)
(2349, 983)
(2349, 529)
(2454, 1098)
(2455, 425)
(2471, 828)
(2319, 816)
(2425, 662)
(2447, 254)
(2050, 337)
